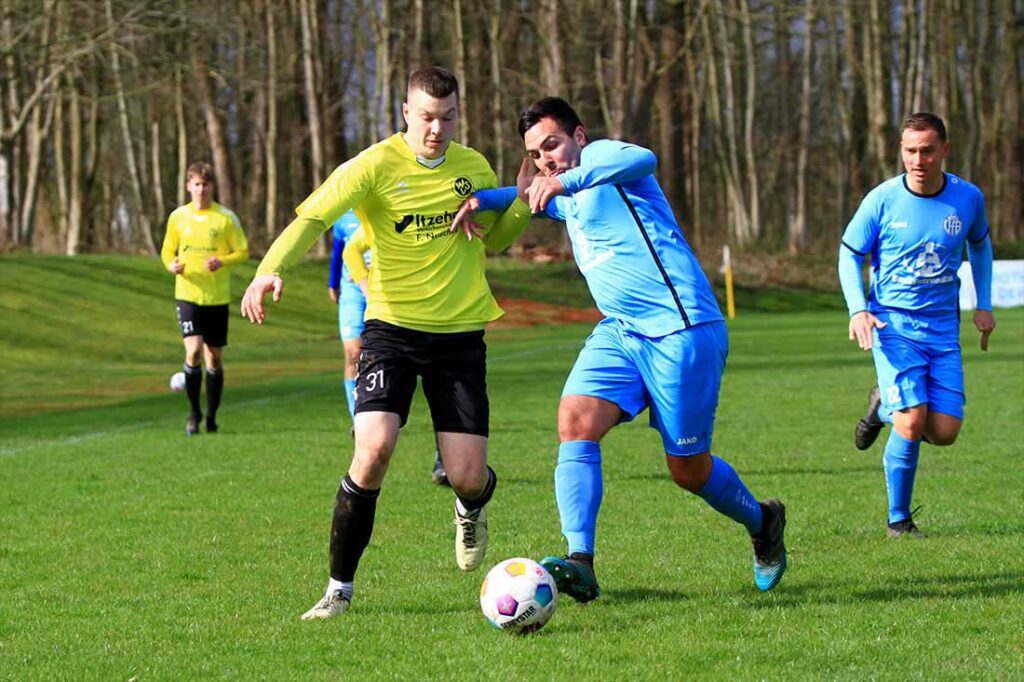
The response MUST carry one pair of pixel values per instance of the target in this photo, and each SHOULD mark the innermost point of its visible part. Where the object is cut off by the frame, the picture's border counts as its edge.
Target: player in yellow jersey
(427, 305)
(203, 240)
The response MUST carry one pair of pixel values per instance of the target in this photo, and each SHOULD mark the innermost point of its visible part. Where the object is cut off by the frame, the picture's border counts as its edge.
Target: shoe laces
(910, 525)
(468, 523)
(333, 597)
(907, 524)
(764, 541)
(761, 548)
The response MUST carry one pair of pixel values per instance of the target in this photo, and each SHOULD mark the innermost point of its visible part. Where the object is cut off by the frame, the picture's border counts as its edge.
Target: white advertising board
(1007, 285)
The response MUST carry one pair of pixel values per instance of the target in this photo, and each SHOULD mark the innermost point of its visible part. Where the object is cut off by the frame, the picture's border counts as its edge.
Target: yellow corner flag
(730, 299)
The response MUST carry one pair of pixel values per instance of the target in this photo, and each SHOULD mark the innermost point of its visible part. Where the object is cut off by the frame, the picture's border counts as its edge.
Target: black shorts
(207, 321)
(453, 368)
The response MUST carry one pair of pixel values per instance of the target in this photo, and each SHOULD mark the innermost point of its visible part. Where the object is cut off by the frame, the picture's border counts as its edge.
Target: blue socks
(350, 396)
(578, 490)
(726, 494)
(900, 461)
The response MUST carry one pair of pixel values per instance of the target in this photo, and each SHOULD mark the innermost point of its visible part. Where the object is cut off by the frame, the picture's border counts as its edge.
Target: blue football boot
(574, 576)
(769, 546)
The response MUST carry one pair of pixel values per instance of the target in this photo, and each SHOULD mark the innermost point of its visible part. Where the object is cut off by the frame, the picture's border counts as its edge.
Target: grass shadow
(644, 594)
(813, 471)
(946, 587)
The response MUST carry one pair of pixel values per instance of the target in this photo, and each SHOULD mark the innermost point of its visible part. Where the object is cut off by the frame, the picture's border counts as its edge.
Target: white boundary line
(138, 426)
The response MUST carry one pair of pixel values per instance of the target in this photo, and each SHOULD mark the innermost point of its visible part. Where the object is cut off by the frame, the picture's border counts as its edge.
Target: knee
(572, 426)
(467, 484)
(576, 423)
(371, 459)
(690, 473)
(193, 358)
(942, 438)
(911, 426)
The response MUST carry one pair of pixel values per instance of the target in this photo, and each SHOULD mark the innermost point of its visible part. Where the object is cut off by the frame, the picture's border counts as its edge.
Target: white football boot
(333, 604)
(470, 538)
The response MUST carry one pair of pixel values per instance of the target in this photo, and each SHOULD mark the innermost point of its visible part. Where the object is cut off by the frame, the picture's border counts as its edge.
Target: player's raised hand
(862, 327)
(527, 172)
(985, 323)
(542, 188)
(464, 219)
(252, 300)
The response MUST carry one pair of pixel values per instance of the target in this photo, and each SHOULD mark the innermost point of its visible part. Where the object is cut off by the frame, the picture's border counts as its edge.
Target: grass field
(130, 552)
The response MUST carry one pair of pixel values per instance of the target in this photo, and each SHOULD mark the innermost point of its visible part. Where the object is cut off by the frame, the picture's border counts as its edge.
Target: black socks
(351, 527)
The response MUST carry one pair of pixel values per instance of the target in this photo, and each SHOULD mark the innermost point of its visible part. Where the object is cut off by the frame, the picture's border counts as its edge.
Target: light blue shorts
(914, 372)
(677, 376)
(351, 308)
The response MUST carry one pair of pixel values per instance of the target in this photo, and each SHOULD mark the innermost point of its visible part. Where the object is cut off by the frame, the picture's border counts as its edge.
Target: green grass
(129, 551)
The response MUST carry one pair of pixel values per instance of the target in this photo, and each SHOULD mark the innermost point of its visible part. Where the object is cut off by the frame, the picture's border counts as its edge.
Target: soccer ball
(518, 596)
(178, 381)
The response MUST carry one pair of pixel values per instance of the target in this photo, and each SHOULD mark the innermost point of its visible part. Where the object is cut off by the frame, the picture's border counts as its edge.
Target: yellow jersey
(193, 236)
(423, 276)
(354, 255)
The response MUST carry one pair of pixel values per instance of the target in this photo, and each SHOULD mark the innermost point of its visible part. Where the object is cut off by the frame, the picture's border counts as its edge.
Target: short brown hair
(436, 81)
(555, 108)
(202, 170)
(923, 120)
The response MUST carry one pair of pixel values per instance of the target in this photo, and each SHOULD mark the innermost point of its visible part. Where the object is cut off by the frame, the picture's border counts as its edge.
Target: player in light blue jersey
(915, 227)
(662, 343)
(351, 302)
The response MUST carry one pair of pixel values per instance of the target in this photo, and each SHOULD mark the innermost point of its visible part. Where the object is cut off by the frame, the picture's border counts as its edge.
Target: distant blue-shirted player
(915, 227)
(350, 301)
(662, 343)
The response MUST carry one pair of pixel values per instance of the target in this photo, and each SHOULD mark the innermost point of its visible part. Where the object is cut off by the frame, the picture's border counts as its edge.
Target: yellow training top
(422, 276)
(193, 236)
(354, 255)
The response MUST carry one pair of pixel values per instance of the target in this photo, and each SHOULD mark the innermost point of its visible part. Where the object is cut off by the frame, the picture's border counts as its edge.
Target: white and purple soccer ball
(518, 596)
(178, 382)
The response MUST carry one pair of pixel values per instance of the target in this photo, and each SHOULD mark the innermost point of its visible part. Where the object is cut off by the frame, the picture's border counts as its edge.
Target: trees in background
(771, 118)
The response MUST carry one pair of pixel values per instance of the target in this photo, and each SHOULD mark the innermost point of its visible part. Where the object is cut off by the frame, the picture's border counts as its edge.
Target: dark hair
(201, 170)
(436, 81)
(554, 108)
(922, 120)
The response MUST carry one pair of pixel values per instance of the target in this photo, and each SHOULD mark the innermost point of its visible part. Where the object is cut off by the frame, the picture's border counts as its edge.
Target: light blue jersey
(638, 265)
(351, 301)
(639, 268)
(916, 244)
(663, 344)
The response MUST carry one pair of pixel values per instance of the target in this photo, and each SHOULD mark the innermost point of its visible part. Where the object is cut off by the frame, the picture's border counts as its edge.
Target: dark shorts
(207, 321)
(453, 368)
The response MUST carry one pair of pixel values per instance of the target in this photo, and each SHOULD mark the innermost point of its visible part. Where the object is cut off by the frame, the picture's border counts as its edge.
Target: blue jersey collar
(926, 196)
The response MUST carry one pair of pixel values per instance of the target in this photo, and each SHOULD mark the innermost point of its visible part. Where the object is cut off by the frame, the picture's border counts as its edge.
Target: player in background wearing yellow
(428, 302)
(203, 240)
